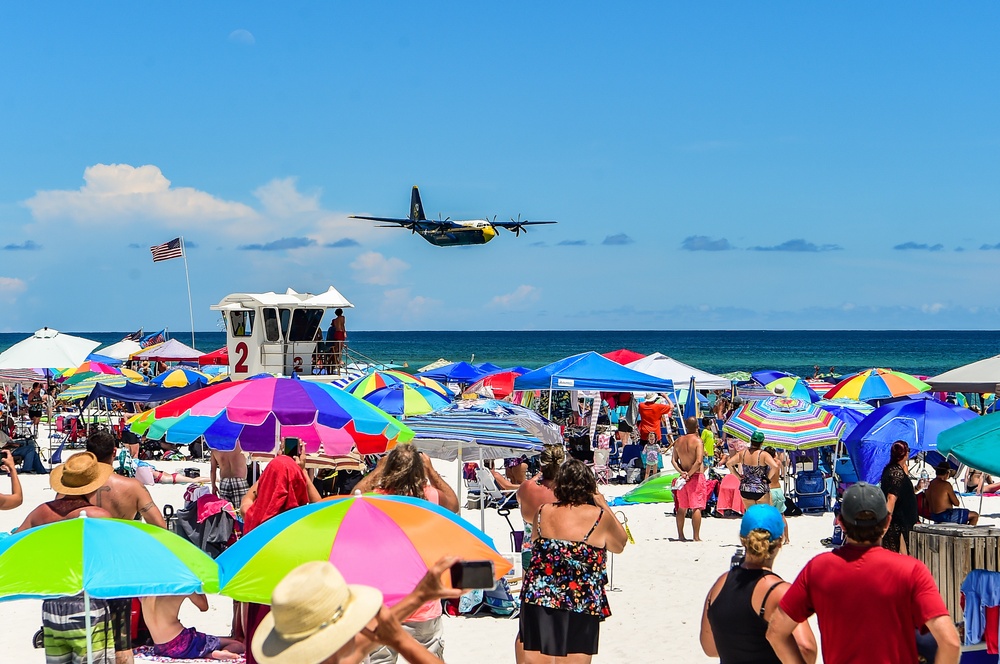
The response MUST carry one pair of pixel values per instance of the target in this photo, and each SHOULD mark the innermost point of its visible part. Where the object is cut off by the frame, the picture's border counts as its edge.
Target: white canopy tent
(47, 349)
(982, 377)
(121, 350)
(662, 366)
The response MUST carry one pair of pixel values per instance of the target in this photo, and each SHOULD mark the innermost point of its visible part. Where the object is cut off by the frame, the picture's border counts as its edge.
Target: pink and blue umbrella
(404, 399)
(259, 413)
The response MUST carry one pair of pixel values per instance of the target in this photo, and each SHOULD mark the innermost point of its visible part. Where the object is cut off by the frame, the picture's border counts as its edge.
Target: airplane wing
(511, 225)
(422, 225)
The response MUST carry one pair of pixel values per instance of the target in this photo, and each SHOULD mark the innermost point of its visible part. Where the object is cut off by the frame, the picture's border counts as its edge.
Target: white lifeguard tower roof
(329, 299)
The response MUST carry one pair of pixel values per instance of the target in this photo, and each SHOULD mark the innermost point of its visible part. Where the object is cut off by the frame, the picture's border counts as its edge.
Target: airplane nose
(489, 233)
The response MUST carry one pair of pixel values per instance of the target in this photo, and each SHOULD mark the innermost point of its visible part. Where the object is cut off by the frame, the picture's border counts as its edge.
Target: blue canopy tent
(591, 371)
(918, 422)
(136, 393)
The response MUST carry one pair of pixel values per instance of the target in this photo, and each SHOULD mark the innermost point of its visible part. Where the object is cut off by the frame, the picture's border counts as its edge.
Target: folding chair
(602, 471)
(493, 496)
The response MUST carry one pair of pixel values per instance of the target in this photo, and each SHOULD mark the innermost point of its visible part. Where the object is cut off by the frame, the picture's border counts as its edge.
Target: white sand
(656, 611)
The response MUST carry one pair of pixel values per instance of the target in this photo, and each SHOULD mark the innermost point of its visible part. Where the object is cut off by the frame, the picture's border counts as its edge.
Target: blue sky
(712, 165)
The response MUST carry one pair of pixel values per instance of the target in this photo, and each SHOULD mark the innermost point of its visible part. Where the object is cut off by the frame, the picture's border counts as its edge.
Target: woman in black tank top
(741, 601)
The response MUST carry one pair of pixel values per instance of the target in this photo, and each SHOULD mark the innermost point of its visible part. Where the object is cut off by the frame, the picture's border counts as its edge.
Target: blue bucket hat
(763, 517)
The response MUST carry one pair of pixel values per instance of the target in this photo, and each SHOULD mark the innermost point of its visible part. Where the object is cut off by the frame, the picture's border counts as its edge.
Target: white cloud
(116, 193)
(520, 295)
(398, 301)
(281, 198)
(374, 268)
(10, 288)
(932, 308)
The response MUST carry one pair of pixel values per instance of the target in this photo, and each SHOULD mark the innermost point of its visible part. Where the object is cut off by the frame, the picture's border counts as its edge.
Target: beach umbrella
(215, 358)
(459, 372)
(121, 350)
(259, 413)
(918, 422)
(877, 383)
(82, 388)
(691, 402)
(387, 542)
(87, 369)
(376, 380)
(180, 377)
(404, 399)
(102, 558)
(785, 384)
(738, 376)
(849, 411)
(785, 422)
(656, 489)
(104, 359)
(974, 443)
(47, 349)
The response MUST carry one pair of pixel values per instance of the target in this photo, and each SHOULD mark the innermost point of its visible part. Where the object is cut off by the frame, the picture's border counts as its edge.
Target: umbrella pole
(88, 627)
(458, 480)
(482, 503)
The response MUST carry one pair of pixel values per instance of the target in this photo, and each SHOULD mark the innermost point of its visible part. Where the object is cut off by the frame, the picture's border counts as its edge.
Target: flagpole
(187, 277)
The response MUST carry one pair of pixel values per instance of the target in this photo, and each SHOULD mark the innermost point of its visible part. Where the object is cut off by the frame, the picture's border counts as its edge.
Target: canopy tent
(662, 366)
(135, 393)
(216, 357)
(623, 355)
(981, 377)
(170, 350)
(458, 372)
(591, 371)
(47, 349)
(121, 350)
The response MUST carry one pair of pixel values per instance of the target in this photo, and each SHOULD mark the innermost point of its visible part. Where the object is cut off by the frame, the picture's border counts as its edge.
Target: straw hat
(314, 612)
(81, 474)
(652, 397)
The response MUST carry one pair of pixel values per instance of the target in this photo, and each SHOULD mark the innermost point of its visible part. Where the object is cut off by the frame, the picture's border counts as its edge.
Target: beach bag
(501, 601)
(791, 509)
(467, 604)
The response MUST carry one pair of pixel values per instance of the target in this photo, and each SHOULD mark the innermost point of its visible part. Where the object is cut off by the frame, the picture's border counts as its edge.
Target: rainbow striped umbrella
(785, 422)
(258, 413)
(180, 377)
(877, 384)
(376, 380)
(387, 542)
(404, 399)
(87, 369)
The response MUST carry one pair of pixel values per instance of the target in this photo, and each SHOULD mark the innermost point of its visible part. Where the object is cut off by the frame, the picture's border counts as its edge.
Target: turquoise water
(918, 352)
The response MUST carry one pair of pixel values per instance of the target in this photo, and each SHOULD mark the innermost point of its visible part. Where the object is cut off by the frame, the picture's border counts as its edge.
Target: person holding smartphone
(16, 497)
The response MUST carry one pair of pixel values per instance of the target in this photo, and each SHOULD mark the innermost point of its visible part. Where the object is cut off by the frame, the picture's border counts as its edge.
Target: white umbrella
(47, 349)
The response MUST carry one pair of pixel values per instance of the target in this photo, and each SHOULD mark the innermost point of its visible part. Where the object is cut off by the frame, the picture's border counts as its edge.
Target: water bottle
(924, 480)
(838, 532)
(737, 558)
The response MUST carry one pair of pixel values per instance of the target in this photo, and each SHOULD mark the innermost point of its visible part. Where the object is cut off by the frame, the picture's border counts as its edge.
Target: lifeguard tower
(281, 334)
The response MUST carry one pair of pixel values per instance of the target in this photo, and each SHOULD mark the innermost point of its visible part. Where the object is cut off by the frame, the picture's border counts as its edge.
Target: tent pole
(88, 628)
(482, 503)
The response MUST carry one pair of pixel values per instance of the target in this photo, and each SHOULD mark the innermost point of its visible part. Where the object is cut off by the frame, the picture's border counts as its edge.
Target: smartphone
(472, 574)
(292, 446)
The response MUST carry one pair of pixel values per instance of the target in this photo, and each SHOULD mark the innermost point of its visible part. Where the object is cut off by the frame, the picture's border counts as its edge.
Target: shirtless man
(688, 460)
(232, 469)
(172, 639)
(124, 497)
(942, 501)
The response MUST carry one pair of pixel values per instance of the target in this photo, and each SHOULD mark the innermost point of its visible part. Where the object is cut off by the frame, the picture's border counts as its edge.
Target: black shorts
(120, 611)
(556, 632)
(34, 411)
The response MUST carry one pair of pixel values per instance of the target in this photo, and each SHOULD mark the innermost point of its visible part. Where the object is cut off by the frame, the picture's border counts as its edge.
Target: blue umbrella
(691, 405)
(104, 359)
(918, 422)
(459, 372)
(849, 411)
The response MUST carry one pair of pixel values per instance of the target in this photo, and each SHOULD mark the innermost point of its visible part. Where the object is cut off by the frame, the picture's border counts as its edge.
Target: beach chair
(811, 493)
(602, 471)
(492, 495)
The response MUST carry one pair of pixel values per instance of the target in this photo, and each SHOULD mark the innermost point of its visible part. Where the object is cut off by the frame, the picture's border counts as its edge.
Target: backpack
(501, 601)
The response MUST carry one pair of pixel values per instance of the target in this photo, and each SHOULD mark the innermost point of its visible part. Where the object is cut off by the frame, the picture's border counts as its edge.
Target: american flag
(167, 250)
(135, 336)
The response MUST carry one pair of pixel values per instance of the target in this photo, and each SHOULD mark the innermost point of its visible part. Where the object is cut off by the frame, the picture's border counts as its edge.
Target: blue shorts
(958, 515)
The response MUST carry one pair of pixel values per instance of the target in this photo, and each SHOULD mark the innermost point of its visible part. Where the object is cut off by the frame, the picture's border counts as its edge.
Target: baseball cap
(863, 497)
(757, 437)
(762, 517)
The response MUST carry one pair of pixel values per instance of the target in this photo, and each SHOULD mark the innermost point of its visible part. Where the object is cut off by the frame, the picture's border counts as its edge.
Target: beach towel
(282, 486)
(145, 654)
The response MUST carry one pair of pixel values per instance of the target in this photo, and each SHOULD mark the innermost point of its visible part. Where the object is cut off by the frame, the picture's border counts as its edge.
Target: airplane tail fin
(416, 208)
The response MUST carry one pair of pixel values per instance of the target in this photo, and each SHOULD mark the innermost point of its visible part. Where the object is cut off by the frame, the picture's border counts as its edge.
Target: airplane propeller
(518, 226)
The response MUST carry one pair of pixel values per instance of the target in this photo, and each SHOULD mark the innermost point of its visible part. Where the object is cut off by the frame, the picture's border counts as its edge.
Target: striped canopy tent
(786, 423)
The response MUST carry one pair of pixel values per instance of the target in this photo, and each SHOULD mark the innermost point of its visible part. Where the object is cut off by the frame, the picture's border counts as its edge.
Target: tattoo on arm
(148, 506)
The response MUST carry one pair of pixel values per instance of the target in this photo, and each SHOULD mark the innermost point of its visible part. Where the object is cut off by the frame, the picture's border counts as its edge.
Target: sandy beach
(656, 590)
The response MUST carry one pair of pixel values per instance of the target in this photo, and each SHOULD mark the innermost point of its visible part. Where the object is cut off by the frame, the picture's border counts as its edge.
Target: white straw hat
(314, 612)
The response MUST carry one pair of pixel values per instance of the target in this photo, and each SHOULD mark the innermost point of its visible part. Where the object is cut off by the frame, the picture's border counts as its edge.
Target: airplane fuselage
(458, 233)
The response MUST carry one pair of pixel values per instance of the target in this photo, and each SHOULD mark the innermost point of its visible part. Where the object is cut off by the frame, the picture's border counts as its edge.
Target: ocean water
(917, 352)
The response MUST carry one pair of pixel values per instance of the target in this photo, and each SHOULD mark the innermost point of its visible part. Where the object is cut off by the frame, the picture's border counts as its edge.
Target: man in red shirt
(869, 601)
(651, 414)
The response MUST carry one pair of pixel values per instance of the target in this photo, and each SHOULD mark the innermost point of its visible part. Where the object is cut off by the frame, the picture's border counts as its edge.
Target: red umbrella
(218, 357)
(623, 356)
(500, 385)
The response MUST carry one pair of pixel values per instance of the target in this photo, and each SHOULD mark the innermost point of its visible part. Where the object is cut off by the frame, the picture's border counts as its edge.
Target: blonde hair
(551, 458)
(760, 546)
(404, 473)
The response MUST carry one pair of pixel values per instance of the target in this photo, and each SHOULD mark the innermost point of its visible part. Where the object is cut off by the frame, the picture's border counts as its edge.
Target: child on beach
(651, 457)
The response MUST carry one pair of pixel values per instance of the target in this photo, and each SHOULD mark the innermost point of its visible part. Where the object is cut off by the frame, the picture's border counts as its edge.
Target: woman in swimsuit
(742, 601)
(757, 466)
